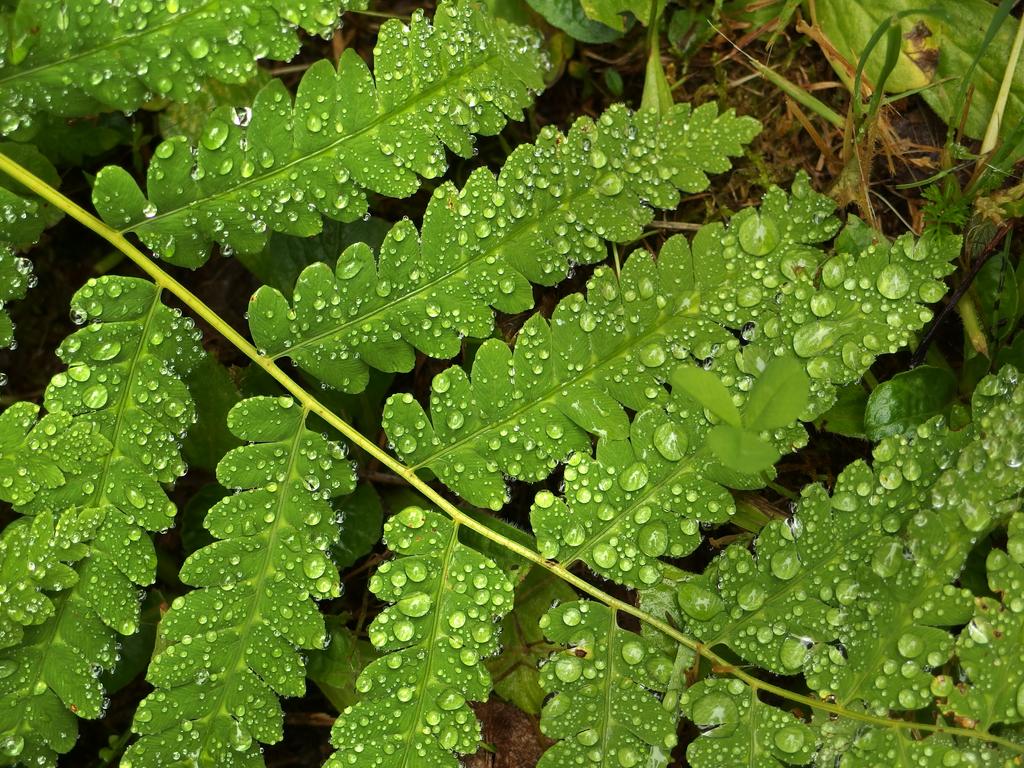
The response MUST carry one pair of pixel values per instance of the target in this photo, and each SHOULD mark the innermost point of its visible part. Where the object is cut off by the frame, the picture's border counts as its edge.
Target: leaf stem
(310, 403)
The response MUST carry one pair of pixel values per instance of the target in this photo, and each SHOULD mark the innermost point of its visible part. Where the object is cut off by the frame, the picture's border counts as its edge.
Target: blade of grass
(995, 122)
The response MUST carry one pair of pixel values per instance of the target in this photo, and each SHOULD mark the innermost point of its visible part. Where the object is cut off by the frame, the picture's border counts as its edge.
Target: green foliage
(76, 57)
(552, 206)
(877, 622)
(116, 417)
(230, 647)
(856, 590)
(603, 683)
(909, 399)
(445, 599)
(754, 280)
(282, 166)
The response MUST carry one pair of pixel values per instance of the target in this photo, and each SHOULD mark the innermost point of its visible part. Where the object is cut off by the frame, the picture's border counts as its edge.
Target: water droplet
(415, 605)
(96, 396)
(633, 477)
(697, 602)
(670, 440)
(653, 539)
(789, 739)
(758, 235)
(568, 668)
(893, 282)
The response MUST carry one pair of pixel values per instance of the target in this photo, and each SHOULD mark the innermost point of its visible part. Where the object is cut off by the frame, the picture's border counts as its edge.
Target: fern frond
(754, 280)
(446, 602)
(603, 711)
(740, 729)
(552, 206)
(287, 165)
(76, 57)
(232, 646)
(123, 389)
(857, 590)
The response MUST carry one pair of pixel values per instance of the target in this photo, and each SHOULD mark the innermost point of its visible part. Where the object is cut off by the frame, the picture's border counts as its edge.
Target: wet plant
(879, 622)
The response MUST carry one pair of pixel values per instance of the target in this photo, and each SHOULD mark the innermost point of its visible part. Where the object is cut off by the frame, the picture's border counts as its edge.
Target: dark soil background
(792, 140)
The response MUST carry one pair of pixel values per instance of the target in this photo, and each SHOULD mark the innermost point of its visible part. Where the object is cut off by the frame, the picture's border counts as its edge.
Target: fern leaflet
(446, 599)
(603, 711)
(39, 455)
(123, 384)
(284, 166)
(523, 411)
(231, 647)
(740, 729)
(551, 206)
(76, 57)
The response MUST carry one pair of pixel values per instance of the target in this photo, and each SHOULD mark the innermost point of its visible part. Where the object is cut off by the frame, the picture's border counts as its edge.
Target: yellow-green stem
(309, 402)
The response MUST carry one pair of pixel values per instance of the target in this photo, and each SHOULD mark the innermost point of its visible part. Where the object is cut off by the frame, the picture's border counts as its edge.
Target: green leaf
(778, 397)
(335, 669)
(940, 40)
(214, 393)
(999, 297)
(603, 683)
(612, 13)
(362, 519)
(704, 387)
(482, 246)
(122, 404)
(286, 164)
(907, 400)
(737, 728)
(75, 57)
(523, 647)
(188, 118)
(570, 17)
(285, 257)
(861, 746)
(846, 417)
(232, 646)
(857, 590)
(741, 450)
(657, 94)
(1015, 538)
(445, 599)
